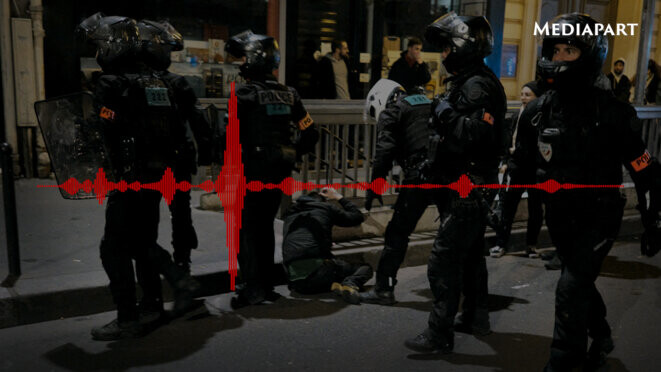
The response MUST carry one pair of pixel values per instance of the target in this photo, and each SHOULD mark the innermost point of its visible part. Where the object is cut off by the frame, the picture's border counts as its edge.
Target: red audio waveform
(231, 186)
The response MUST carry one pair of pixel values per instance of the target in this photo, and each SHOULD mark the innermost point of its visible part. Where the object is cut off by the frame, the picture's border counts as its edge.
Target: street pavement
(322, 333)
(59, 236)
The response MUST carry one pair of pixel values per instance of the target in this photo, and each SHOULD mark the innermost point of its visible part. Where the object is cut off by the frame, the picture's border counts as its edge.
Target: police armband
(641, 162)
(107, 114)
(304, 123)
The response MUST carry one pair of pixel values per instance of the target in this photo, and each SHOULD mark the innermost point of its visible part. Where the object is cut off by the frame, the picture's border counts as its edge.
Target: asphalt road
(322, 333)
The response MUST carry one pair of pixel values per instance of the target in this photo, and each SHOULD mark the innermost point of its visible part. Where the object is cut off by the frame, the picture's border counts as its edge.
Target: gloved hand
(439, 106)
(369, 198)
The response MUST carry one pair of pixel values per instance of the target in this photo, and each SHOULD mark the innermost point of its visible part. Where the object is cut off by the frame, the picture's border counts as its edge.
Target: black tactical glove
(439, 109)
(369, 198)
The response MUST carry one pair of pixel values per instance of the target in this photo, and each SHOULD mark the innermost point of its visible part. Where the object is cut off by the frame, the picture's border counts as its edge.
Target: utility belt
(414, 161)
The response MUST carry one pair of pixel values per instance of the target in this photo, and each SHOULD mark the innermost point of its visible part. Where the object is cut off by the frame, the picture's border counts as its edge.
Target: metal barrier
(347, 140)
(11, 223)
(651, 128)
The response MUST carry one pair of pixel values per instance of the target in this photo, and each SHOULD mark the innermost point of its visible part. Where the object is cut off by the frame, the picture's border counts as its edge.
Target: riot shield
(74, 139)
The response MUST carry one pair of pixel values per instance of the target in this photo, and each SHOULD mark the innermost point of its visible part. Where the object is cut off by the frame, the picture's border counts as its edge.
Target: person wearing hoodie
(620, 83)
(520, 170)
(307, 241)
(409, 70)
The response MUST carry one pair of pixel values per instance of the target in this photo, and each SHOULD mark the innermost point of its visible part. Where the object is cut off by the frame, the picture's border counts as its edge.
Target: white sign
(365, 58)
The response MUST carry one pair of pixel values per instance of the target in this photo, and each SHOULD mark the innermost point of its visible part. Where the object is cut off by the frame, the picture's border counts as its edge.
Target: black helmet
(261, 52)
(115, 37)
(469, 38)
(158, 40)
(588, 65)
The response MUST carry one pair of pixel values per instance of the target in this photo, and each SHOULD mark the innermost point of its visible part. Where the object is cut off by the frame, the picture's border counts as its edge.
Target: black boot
(378, 296)
(599, 350)
(472, 324)
(152, 314)
(383, 293)
(184, 295)
(117, 330)
(429, 342)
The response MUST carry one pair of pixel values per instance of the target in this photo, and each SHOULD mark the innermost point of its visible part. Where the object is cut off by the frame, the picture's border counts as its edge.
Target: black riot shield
(74, 138)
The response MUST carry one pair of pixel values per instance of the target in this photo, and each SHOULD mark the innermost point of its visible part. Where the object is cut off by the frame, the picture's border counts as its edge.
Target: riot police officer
(403, 133)
(142, 132)
(158, 40)
(468, 121)
(580, 133)
(270, 114)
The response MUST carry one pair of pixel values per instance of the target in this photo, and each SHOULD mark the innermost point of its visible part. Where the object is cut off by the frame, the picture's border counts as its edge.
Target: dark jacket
(471, 122)
(409, 76)
(308, 227)
(324, 78)
(651, 91)
(271, 115)
(403, 136)
(143, 132)
(621, 89)
(583, 141)
(186, 102)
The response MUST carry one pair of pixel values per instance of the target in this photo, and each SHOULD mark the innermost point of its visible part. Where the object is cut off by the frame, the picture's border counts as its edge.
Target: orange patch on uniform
(107, 114)
(488, 118)
(304, 123)
(642, 161)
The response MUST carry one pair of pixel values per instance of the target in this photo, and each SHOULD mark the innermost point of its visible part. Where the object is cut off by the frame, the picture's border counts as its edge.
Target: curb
(17, 309)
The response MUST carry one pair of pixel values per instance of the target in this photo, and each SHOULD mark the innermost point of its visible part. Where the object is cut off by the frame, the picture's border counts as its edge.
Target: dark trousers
(510, 203)
(184, 238)
(457, 263)
(583, 228)
(130, 233)
(257, 241)
(131, 230)
(333, 270)
(409, 207)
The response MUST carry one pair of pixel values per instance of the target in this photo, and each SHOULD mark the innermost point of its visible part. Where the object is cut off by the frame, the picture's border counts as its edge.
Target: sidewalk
(62, 272)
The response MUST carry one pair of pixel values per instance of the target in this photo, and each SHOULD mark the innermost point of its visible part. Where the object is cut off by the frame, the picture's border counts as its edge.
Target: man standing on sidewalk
(410, 70)
(334, 74)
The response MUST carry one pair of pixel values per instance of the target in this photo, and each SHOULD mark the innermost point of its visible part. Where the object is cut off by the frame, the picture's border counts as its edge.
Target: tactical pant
(257, 242)
(510, 202)
(583, 228)
(409, 207)
(184, 238)
(457, 262)
(333, 270)
(131, 231)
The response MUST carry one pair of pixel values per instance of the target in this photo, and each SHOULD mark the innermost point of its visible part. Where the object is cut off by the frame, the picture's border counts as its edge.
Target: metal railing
(651, 128)
(347, 141)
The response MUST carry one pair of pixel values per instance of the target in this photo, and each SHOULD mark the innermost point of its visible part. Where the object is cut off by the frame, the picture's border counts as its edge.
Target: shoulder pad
(417, 99)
